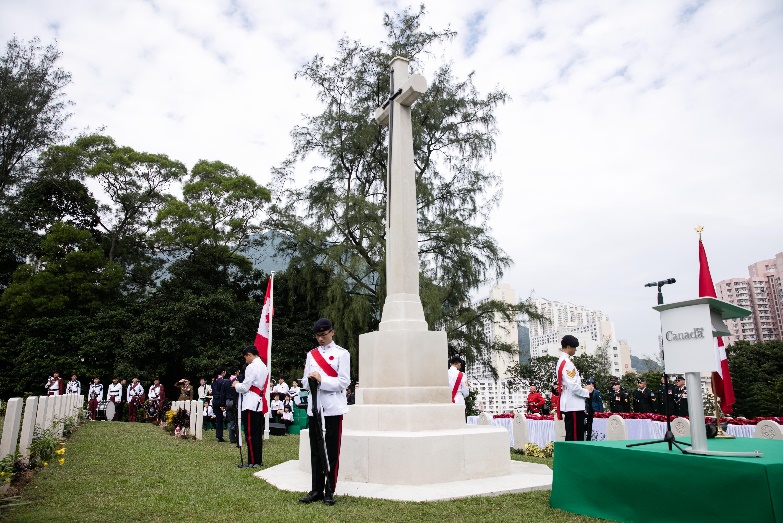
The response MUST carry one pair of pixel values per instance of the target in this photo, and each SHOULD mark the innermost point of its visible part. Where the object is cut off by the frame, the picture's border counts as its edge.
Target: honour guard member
(618, 399)
(94, 395)
(157, 396)
(457, 381)
(666, 397)
(55, 385)
(114, 394)
(571, 407)
(329, 365)
(643, 398)
(253, 404)
(680, 397)
(135, 398)
(74, 386)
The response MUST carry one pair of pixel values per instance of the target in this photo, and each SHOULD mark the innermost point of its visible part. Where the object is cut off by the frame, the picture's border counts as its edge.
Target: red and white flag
(264, 334)
(721, 379)
(263, 341)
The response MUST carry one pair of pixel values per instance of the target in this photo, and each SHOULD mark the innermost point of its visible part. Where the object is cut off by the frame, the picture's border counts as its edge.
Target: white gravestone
(560, 431)
(681, 427)
(768, 429)
(50, 412)
(519, 429)
(28, 425)
(13, 417)
(59, 403)
(40, 416)
(616, 429)
(199, 422)
(483, 419)
(193, 409)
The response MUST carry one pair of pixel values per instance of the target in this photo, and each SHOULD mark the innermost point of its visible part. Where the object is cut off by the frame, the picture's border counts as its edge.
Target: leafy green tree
(540, 371)
(50, 305)
(32, 107)
(219, 208)
(337, 220)
(757, 375)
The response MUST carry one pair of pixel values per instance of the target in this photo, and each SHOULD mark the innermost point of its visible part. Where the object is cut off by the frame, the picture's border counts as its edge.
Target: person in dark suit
(643, 398)
(231, 408)
(219, 401)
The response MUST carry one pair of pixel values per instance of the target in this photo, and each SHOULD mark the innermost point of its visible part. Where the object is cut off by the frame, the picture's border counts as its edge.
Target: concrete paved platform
(524, 477)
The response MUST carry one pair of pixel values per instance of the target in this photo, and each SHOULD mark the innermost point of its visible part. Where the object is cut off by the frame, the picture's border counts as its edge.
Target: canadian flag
(264, 334)
(721, 379)
(263, 341)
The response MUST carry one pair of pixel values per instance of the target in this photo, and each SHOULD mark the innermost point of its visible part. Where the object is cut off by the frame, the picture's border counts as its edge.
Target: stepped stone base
(521, 477)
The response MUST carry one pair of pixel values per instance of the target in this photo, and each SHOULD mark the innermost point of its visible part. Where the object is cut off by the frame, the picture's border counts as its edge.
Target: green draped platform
(605, 479)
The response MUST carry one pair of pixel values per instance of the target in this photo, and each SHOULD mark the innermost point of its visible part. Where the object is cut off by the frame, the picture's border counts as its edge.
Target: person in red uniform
(534, 400)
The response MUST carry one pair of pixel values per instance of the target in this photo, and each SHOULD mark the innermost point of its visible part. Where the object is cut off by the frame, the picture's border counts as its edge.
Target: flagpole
(269, 351)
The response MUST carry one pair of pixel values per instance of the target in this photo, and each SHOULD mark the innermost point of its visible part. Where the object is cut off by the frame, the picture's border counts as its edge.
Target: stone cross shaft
(402, 309)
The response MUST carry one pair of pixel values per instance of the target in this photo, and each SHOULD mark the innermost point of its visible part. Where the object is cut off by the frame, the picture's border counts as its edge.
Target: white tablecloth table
(506, 423)
(542, 432)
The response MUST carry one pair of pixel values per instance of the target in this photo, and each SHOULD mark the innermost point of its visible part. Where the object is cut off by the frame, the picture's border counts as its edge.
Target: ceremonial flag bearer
(253, 404)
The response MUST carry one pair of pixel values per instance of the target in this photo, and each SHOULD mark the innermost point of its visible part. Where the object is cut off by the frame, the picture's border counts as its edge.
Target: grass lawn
(137, 472)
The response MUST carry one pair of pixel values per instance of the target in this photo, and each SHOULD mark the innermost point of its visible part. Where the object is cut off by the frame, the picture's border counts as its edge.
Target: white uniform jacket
(73, 387)
(572, 395)
(134, 391)
(53, 386)
(154, 392)
(331, 392)
(255, 374)
(281, 388)
(96, 392)
(463, 391)
(115, 392)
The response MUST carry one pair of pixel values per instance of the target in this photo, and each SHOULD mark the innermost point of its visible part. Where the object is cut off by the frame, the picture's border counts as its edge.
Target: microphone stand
(669, 436)
(320, 431)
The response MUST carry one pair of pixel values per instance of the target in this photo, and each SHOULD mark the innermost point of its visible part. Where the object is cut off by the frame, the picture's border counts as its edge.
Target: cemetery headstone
(616, 429)
(13, 418)
(519, 428)
(40, 416)
(768, 429)
(28, 425)
(681, 427)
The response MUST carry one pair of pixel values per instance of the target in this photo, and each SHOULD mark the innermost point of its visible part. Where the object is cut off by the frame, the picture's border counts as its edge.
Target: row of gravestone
(197, 421)
(616, 429)
(42, 412)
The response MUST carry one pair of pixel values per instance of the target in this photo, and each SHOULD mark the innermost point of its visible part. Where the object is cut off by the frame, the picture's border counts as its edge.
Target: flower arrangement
(531, 449)
(504, 415)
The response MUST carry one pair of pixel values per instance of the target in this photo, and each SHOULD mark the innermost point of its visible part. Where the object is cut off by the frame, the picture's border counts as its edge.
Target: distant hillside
(644, 364)
(267, 257)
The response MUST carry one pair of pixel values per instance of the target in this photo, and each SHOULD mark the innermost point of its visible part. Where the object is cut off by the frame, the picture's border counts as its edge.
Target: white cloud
(630, 122)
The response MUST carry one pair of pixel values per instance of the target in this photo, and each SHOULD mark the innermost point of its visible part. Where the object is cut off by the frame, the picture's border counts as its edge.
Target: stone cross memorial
(404, 428)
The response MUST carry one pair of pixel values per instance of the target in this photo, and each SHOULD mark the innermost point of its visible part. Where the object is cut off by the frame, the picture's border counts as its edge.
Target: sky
(629, 123)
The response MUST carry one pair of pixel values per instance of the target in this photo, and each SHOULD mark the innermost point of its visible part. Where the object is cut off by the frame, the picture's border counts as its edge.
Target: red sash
(560, 386)
(456, 387)
(264, 406)
(319, 359)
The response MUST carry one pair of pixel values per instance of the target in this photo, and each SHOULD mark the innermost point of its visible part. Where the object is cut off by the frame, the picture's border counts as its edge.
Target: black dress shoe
(311, 497)
(221, 440)
(329, 499)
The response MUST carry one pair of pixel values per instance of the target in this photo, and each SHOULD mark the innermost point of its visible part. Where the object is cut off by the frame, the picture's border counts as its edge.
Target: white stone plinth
(521, 477)
(403, 367)
(418, 457)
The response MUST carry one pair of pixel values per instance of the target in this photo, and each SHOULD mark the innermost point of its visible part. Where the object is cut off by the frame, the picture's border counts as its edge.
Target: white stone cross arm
(409, 93)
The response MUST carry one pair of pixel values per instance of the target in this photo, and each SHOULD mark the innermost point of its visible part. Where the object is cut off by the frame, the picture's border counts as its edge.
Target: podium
(689, 329)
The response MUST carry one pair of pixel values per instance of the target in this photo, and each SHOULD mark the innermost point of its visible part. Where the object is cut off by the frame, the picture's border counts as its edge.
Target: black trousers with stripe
(575, 425)
(334, 432)
(254, 435)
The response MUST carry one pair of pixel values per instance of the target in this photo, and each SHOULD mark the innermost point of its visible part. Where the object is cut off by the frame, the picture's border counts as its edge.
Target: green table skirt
(605, 479)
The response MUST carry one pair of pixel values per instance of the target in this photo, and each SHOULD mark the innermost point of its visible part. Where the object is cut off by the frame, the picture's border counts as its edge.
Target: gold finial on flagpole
(699, 229)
